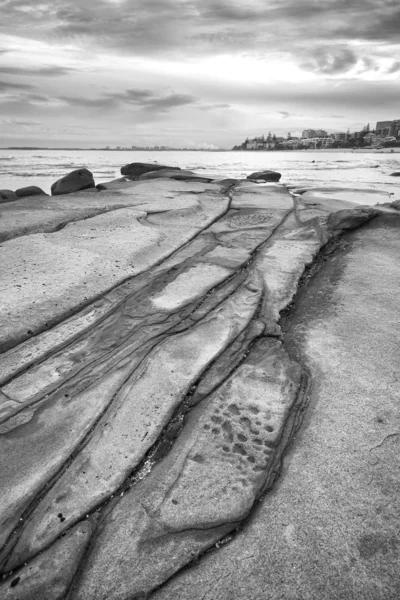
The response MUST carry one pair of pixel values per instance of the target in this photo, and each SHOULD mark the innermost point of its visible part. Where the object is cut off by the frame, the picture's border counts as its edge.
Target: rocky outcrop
(78, 180)
(265, 176)
(7, 196)
(31, 190)
(136, 169)
(148, 392)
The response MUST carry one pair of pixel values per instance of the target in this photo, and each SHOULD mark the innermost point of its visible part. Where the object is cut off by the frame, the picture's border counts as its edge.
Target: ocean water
(357, 170)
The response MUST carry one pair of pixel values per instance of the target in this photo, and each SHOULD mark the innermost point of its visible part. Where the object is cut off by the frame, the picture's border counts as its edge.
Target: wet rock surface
(150, 389)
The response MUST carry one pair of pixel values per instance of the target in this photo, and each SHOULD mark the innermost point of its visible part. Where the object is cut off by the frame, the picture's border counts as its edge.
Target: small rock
(395, 174)
(81, 179)
(7, 195)
(265, 175)
(137, 169)
(31, 190)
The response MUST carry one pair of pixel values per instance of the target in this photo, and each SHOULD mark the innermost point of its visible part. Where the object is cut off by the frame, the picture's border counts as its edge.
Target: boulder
(265, 175)
(7, 196)
(395, 174)
(31, 190)
(173, 174)
(81, 179)
(137, 169)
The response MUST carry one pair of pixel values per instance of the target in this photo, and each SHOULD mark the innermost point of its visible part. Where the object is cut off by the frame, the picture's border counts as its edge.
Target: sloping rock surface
(330, 528)
(148, 394)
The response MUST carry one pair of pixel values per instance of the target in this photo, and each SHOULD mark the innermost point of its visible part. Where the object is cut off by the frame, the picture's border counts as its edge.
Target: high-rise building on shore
(314, 133)
(388, 128)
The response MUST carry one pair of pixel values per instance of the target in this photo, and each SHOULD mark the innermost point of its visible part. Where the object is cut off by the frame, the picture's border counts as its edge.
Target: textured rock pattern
(146, 396)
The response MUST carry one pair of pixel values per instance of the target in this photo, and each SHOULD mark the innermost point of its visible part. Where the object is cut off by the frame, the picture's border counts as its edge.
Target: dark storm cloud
(140, 98)
(8, 86)
(45, 71)
(153, 101)
(331, 61)
(157, 26)
(81, 101)
(221, 106)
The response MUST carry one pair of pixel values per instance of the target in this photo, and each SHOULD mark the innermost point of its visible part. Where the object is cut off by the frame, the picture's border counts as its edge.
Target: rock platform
(189, 363)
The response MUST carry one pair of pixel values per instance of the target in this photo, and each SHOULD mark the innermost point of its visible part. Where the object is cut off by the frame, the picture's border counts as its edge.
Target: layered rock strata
(147, 392)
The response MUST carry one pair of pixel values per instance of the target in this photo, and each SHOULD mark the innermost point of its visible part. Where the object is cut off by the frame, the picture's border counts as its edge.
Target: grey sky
(198, 72)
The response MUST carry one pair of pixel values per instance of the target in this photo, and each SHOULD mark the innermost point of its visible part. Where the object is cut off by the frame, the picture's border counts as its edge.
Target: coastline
(41, 168)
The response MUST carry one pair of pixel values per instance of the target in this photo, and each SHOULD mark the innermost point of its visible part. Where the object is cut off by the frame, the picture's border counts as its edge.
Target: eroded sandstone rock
(219, 465)
(49, 576)
(140, 430)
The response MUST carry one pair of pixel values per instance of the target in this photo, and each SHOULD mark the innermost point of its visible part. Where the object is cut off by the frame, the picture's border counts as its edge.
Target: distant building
(261, 143)
(389, 139)
(291, 144)
(383, 128)
(339, 136)
(372, 139)
(317, 142)
(395, 128)
(314, 133)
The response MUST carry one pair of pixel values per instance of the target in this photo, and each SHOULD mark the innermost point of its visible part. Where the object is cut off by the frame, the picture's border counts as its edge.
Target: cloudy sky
(199, 73)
